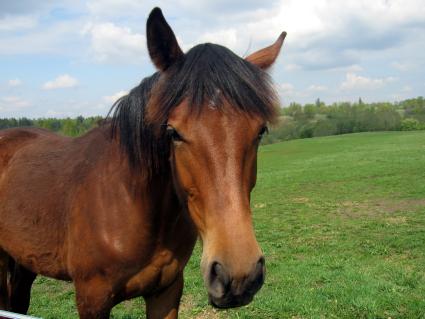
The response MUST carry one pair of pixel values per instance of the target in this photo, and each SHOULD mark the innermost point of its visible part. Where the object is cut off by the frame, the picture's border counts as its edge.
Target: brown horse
(118, 210)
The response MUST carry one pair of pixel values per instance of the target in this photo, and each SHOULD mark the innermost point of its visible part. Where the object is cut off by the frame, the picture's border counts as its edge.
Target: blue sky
(69, 58)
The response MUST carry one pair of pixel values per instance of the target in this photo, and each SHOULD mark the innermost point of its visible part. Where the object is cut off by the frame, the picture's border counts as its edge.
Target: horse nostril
(261, 261)
(226, 292)
(219, 280)
(260, 270)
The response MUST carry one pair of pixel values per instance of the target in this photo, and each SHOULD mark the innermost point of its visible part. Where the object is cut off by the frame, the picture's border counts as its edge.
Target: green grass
(341, 220)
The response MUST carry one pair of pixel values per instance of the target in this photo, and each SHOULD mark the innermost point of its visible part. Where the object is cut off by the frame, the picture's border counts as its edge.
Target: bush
(306, 130)
(324, 128)
(286, 130)
(411, 124)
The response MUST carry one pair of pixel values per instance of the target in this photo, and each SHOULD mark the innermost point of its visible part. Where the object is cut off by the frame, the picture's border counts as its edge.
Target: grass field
(341, 220)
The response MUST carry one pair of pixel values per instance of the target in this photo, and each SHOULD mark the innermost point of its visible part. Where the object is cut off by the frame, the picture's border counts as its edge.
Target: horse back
(12, 140)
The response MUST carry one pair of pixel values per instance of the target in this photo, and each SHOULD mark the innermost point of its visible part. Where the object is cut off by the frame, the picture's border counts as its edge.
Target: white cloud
(357, 82)
(292, 67)
(317, 88)
(306, 18)
(110, 99)
(11, 103)
(406, 89)
(288, 92)
(62, 81)
(227, 37)
(14, 82)
(287, 88)
(55, 38)
(112, 8)
(59, 114)
(352, 68)
(403, 93)
(17, 22)
(111, 43)
(401, 66)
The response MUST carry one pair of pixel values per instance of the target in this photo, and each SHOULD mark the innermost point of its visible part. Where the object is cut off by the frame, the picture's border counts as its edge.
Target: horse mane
(136, 136)
(207, 75)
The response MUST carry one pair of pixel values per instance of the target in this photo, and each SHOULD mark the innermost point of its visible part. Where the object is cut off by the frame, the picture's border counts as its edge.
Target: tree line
(67, 126)
(295, 121)
(319, 119)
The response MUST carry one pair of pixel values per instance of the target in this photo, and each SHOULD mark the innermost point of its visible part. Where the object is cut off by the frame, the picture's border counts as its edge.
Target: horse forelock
(207, 76)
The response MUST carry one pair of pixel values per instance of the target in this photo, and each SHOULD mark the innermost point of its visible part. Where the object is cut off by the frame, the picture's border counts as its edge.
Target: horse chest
(161, 272)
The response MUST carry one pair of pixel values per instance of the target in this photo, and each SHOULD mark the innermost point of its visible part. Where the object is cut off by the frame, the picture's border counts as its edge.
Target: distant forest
(296, 120)
(319, 119)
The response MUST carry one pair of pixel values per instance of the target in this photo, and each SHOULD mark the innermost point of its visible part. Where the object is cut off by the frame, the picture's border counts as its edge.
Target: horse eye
(263, 131)
(173, 134)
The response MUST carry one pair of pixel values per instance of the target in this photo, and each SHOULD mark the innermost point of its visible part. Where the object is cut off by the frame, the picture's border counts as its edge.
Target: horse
(118, 210)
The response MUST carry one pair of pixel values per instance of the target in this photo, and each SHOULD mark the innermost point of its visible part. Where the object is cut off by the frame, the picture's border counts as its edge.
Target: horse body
(118, 210)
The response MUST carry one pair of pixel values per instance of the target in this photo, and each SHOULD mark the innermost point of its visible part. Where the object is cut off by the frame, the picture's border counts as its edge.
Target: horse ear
(264, 58)
(162, 43)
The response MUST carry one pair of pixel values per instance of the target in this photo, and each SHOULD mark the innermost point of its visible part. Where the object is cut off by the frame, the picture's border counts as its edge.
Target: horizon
(396, 104)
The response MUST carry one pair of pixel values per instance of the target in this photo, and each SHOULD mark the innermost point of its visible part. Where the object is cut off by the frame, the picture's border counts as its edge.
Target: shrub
(324, 128)
(410, 124)
(306, 130)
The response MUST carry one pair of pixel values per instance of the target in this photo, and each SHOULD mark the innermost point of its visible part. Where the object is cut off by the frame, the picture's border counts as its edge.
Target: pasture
(341, 221)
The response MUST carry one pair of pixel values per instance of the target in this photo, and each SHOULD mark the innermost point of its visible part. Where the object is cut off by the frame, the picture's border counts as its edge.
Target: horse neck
(128, 202)
(154, 194)
(152, 191)
(162, 207)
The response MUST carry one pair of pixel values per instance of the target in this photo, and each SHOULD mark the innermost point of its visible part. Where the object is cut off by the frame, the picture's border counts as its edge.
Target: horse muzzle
(227, 292)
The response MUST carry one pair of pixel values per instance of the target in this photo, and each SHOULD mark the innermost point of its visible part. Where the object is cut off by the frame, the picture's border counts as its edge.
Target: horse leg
(165, 304)
(94, 298)
(4, 287)
(20, 283)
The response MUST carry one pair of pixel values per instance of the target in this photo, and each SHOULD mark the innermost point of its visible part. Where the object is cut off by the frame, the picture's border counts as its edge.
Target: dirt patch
(260, 205)
(381, 207)
(300, 200)
(207, 314)
(189, 309)
(396, 220)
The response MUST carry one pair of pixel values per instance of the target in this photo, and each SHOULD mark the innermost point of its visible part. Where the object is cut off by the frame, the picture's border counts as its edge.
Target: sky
(68, 57)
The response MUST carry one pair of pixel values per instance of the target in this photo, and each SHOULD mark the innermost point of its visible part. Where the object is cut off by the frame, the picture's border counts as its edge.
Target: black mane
(208, 74)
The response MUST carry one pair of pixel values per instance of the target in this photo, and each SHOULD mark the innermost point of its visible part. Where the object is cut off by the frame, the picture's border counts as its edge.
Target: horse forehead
(224, 118)
(209, 117)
